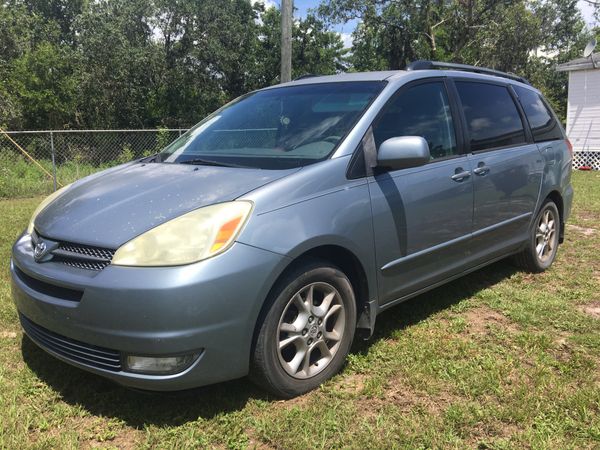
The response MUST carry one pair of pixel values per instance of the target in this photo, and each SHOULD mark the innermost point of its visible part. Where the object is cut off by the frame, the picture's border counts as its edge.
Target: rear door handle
(460, 176)
(481, 170)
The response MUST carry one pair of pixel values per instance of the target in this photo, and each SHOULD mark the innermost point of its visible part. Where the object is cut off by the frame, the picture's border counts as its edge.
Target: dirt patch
(563, 350)
(352, 384)
(296, 401)
(403, 395)
(583, 230)
(591, 309)
(406, 398)
(124, 441)
(586, 215)
(254, 442)
(482, 432)
(482, 319)
(94, 432)
(8, 335)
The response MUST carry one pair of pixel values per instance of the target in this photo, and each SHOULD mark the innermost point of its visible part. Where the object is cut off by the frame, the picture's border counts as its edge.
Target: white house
(583, 112)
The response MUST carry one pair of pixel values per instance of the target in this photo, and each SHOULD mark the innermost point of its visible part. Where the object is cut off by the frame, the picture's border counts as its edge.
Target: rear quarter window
(542, 122)
(493, 120)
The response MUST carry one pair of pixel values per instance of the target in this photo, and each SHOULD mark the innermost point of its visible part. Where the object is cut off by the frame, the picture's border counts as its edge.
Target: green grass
(498, 359)
(21, 178)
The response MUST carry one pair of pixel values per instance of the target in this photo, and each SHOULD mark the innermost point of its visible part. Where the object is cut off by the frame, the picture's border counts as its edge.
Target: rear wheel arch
(556, 197)
(542, 243)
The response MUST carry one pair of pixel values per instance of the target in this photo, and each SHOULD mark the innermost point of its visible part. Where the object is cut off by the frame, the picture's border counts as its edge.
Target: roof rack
(427, 65)
(306, 75)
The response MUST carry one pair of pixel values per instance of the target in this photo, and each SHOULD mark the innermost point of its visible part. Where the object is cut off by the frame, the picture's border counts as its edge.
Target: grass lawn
(498, 359)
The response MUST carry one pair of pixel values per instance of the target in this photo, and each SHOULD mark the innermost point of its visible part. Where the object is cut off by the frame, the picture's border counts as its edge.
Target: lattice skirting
(586, 159)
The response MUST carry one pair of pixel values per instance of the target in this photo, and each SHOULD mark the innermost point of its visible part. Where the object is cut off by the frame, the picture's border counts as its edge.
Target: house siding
(583, 113)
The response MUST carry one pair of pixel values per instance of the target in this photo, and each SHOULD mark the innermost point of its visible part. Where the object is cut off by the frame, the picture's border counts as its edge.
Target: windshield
(277, 128)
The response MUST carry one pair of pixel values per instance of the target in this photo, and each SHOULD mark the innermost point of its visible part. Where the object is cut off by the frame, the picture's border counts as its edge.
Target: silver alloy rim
(310, 330)
(545, 236)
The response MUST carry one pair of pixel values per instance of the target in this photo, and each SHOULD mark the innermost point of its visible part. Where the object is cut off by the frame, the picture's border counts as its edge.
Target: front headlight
(186, 239)
(45, 203)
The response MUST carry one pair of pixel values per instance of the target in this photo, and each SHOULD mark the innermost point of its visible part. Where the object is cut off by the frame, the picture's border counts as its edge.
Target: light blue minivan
(264, 238)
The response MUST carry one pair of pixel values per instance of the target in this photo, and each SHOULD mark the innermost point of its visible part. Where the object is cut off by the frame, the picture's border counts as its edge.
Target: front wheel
(307, 332)
(542, 246)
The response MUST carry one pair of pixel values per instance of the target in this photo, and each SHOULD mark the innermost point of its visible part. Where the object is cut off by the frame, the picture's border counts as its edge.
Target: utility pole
(286, 41)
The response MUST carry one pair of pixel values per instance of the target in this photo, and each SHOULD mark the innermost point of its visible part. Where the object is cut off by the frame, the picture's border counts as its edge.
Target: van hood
(112, 207)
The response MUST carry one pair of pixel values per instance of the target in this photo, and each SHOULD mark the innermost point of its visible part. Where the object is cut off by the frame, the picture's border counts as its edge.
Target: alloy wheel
(546, 238)
(310, 330)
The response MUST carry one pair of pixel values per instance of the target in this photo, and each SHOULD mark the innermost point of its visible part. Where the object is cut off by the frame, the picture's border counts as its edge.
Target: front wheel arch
(348, 263)
(265, 370)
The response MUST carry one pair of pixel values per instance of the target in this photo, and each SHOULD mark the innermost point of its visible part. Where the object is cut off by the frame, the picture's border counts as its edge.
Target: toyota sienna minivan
(264, 238)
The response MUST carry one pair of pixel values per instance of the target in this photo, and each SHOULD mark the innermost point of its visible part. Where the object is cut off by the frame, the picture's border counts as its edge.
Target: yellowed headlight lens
(189, 238)
(45, 203)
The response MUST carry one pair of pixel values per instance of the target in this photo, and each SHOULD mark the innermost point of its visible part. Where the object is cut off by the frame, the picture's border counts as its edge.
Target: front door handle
(460, 176)
(481, 170)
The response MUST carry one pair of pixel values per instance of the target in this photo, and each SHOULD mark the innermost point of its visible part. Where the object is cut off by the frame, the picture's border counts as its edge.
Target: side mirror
(403, 152)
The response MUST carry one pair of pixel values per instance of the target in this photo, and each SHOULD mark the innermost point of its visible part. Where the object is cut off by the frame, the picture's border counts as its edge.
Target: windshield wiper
(208, 162)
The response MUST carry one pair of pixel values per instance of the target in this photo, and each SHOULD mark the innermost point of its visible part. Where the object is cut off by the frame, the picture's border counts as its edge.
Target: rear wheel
(307, 332)
(543, 242)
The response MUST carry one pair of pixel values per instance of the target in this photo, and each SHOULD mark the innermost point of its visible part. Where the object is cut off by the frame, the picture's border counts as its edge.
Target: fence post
(53, 161)
(180, 132)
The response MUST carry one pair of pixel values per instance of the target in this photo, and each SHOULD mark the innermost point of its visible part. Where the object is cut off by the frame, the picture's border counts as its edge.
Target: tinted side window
(492, 117)
(544, 126)
(422, 110)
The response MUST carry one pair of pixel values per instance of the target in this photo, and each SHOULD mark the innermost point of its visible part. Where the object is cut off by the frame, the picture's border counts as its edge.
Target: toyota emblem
(39, 251)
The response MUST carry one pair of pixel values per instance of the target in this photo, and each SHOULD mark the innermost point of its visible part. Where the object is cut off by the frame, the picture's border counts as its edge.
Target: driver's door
(422, 216)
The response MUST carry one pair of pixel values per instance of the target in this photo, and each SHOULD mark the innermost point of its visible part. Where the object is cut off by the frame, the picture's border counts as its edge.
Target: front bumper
(210, 308)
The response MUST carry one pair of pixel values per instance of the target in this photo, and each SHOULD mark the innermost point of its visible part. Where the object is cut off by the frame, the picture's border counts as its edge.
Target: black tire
(529, 259)
(267, 365)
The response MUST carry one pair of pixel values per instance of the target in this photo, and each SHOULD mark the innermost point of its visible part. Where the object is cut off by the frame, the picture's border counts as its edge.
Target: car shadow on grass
(419, 308)
(102, 397)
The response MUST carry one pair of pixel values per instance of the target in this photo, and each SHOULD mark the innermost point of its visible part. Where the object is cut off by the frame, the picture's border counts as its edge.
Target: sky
(301, 7)
(588, 11)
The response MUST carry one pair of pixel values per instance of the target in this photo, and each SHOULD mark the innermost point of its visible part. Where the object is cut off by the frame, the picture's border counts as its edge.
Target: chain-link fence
(65, 156)
(69, 155)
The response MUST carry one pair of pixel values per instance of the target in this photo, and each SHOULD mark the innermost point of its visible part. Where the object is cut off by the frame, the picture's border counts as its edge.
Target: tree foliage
(528, 37)
(143, 63)
(148, 63)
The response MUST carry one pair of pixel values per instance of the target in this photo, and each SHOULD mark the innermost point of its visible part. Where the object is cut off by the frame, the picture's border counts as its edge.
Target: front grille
(90, 355)
(83, 256)
(78, 255)
(49, 289)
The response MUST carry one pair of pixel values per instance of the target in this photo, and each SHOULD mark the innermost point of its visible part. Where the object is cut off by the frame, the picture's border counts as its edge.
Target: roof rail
(427, 65)
(306, 75)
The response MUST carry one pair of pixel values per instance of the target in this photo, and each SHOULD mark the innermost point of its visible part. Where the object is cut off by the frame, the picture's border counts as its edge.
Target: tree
(143, 63)
(43, 83)
(315, 49)
(16, 40)
(209, 50)
(117, 65)
(523, 36)
(563, 38)
(60, 13)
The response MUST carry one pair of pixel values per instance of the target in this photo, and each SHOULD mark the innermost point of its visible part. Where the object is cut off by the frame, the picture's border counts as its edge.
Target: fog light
(159, 366)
